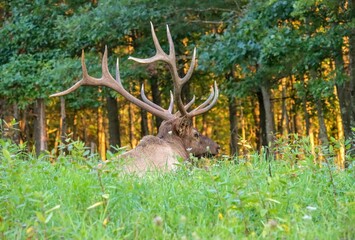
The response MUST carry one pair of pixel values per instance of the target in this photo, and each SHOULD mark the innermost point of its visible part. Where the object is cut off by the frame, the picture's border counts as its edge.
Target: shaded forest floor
(79, 197)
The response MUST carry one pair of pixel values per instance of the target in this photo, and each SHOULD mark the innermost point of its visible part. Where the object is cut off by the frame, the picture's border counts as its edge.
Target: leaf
(6, 154)
(106, 221)
(106, 196)
(49, 217)
(52, 209)
(272, 200)
(263, 212)
(40, 217)
(95, 205)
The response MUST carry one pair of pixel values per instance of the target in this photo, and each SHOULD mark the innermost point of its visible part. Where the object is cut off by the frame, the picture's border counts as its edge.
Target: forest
(285, 70)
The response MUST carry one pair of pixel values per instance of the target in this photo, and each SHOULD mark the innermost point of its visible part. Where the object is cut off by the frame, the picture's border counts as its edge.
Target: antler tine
(170, 59)
(156, 106)
(69, 90)
(191, 68)
(159, 55)
(78, 84)
(115, 84)
(208, 104)
(187, 106)
(207, 101)
(146, 100)
(171, 106)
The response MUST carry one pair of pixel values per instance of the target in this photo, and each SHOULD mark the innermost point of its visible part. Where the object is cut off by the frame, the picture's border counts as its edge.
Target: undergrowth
(79, 197)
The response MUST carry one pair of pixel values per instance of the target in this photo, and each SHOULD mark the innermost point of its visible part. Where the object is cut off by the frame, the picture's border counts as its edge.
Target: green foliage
(275, 39)
(77, 198)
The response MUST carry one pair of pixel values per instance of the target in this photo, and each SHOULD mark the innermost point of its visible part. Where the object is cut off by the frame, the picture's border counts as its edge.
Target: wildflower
(158, 221)
(272, 223)
(310, 208)
(307, 217)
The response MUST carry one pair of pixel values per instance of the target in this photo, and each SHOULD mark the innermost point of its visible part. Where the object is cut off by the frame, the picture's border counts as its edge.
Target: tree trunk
(156, 95)
(304, 107)
(16, 136)
(75, 125)
(144, 123)
(352, 64)
(101, 134)
(2, 117)
(269, 116)
(285, 130)
(131, 125)
(233, 126)
(340, 127)
(63, 121)
(113, 122)
(262, 121)
(243, 132)
(323, 136)
(25, 127)
(144, 118)
(343, 95)
(40, 131)
(351, 6)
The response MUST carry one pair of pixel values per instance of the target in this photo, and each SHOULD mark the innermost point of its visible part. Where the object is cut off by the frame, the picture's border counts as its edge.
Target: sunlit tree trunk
(40, 131)
(340, 127)
(101, 134)
(344, 97)
(113, 122)
(233, 126)
(323, 135)
(312, 142)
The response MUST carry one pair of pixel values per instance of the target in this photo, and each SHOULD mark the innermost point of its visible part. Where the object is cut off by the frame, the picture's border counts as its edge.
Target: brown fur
(176, 140)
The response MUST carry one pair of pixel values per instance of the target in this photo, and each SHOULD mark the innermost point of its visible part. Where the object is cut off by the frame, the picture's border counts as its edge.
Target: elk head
(177, 128)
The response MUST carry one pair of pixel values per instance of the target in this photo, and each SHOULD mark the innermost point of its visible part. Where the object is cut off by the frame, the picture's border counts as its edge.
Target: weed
(80, 197)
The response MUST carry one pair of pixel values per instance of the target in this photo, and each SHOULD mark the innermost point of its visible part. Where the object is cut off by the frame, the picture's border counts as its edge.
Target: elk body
(177, 139)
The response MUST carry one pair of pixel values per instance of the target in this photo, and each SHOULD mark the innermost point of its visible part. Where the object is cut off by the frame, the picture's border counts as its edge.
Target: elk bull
(177, 138)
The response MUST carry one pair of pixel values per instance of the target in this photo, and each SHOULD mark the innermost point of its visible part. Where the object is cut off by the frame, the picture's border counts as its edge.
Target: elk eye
(196, 135)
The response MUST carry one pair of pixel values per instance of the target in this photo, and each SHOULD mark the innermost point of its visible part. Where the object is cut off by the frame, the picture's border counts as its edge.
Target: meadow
(79, 197)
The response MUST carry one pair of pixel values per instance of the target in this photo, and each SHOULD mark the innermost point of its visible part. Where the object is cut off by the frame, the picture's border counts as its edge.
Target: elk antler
(178, 82)
(115, 84)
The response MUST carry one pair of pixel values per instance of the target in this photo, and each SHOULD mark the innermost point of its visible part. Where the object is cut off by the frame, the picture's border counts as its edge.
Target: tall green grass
(79, 197)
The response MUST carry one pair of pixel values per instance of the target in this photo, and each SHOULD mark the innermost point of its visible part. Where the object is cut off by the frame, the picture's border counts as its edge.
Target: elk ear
(183, 126)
